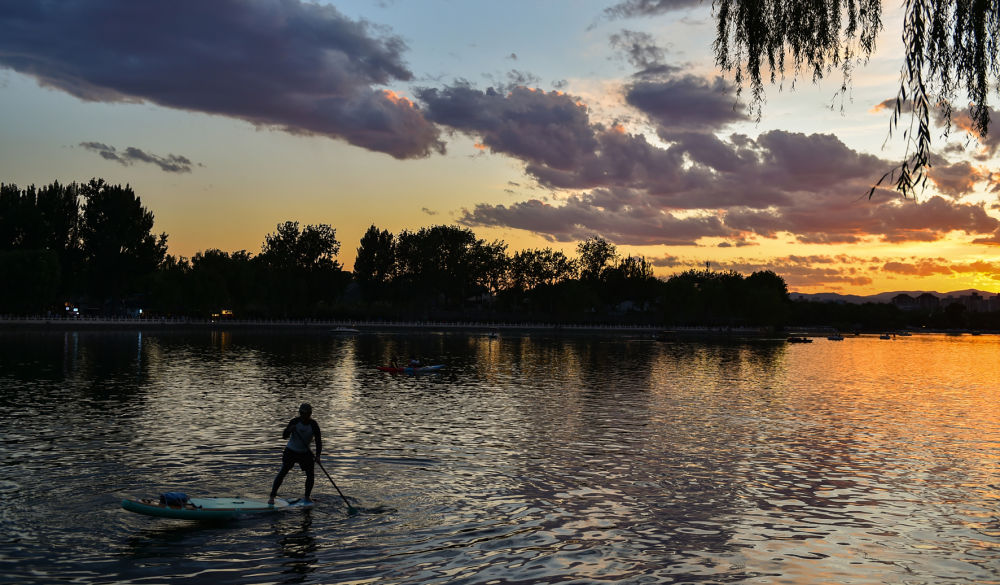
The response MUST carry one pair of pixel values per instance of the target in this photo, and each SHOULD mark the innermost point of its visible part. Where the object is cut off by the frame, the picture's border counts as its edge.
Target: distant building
(905, 302)
(973, 303)
(928, 302)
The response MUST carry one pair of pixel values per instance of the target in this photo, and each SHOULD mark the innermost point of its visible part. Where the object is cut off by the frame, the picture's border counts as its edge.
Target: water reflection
(528, 459)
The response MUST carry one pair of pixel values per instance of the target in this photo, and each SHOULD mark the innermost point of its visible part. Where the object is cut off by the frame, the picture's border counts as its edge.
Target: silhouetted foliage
(438, 272)
(727, 299)
(596, 254)
(300, 270)
(33, 280)
(45, 219)
(949, 46)
(438, 265)
(119, 251)
(375, 263)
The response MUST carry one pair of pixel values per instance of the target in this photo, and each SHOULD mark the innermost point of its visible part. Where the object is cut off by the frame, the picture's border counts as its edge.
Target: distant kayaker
(299, 431)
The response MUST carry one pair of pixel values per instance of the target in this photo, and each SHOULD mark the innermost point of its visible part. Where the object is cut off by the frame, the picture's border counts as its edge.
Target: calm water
(530, 459)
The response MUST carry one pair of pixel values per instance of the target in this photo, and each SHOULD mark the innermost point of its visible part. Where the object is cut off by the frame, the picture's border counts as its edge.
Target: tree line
(91, 246)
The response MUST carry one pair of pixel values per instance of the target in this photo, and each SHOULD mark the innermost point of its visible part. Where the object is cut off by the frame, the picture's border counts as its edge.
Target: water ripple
(527, 460)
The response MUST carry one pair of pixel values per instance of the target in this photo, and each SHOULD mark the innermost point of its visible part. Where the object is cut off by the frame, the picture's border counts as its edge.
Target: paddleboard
(211, 508)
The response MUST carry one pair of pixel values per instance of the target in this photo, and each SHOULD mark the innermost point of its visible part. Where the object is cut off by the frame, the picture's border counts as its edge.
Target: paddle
(350, 508)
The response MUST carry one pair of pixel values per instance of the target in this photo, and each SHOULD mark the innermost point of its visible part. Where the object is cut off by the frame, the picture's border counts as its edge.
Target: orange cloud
(396, 98)
(922, 268)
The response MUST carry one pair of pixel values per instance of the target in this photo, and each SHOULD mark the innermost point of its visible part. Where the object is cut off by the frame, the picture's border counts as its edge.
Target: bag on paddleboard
(174, 499)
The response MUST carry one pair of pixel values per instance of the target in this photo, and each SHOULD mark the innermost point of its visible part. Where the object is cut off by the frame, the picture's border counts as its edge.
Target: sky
(537, 123)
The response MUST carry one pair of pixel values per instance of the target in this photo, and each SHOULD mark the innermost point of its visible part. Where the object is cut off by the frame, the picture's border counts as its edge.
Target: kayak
(210, 508)
(410, 370)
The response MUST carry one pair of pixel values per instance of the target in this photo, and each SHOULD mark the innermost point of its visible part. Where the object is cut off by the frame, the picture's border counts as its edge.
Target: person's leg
(287, 462)
(309, 466)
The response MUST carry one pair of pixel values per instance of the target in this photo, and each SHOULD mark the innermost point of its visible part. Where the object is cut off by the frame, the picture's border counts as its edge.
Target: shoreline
(353, 327)
(348, 327)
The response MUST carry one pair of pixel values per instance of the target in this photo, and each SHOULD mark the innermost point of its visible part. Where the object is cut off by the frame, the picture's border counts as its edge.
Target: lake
(528, 459)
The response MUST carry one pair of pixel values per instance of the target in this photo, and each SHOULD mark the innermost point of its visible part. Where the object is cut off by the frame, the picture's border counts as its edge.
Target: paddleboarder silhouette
(299, 431)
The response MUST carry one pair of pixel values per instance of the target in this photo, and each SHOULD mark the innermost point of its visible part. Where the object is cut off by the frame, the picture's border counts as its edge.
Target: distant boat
(835, 337)
(799, 339)
(885, 336)
(344, 330)
(904, 333)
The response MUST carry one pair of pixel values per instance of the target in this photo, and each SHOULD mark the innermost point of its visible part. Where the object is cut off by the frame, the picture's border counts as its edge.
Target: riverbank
(348, 327)
(353, 327)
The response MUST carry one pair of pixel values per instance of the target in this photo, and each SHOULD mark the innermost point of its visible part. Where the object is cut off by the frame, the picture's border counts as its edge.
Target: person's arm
(288, 428)
(318, 437)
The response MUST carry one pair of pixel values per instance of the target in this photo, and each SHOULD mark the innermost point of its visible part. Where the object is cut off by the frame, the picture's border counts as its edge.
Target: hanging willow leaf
(950, 46)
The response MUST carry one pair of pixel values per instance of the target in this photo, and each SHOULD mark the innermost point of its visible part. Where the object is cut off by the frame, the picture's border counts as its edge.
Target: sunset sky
(538, 123)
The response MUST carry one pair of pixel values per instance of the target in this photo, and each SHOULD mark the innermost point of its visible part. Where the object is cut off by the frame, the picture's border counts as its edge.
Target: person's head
(305, 410)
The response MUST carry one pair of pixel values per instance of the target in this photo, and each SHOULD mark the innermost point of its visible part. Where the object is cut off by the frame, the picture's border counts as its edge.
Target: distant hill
(885, 297)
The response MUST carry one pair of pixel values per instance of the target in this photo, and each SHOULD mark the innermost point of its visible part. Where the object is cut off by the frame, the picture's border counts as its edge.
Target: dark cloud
(171, 163)
(549, 128)
(989, 142)
(642, 52)
(633, 192)
(961, 119)
(686, 103)
(828, 221)
(696, 185)
(990, 240)
(301, 67)
(829, 272)
(516, 78)
(636, 8)
(581, 217)
(956, 179)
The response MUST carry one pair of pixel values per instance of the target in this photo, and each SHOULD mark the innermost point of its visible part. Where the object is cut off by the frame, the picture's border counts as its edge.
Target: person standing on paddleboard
(300, 431)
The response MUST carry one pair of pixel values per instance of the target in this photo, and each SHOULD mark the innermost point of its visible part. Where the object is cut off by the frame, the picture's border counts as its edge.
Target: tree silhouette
(45, 219)
(301, 269)
(314, 247)
(950, 46)
(119, 250)
(596, 254)
(438, 262)
(375, 263)
(533, 268)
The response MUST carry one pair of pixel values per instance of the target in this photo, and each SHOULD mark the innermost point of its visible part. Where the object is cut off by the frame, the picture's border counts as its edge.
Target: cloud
(989, 142)
(643, 8)
(598, 212)
(641, 50)
(828, 272)
(171, 163)
(295, 66)
(956, 179)
(548, 128)
(686, 103)
(833, 272)
(992, 239)
(694, 186)
(919, 268)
